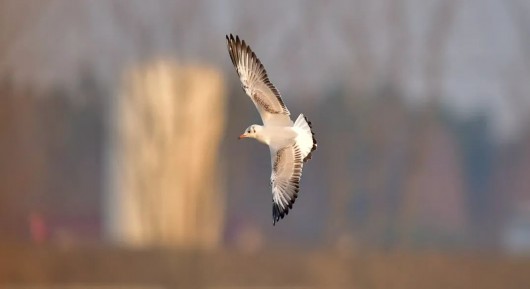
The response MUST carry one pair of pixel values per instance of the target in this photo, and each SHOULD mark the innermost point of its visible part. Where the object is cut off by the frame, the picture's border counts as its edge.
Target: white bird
(290, 144)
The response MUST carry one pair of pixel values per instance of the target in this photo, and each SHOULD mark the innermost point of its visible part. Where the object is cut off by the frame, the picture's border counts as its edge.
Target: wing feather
(287, 164)
(256, 83)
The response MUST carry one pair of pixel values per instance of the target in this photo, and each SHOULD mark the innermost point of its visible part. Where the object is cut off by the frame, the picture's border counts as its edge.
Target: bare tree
(164, 187)
(438, 33)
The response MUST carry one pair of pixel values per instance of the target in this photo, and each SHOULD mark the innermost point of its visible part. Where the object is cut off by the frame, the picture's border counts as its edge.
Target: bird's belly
(279, 137)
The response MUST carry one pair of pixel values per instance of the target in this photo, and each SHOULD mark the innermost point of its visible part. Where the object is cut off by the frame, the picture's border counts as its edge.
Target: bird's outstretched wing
(256, 83)
(287, 164)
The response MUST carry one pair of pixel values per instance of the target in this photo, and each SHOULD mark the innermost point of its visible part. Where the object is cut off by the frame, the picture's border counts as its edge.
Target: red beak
(242, 136)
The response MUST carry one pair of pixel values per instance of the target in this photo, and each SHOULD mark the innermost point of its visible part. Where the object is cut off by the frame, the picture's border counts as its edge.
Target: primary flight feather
(290, 144)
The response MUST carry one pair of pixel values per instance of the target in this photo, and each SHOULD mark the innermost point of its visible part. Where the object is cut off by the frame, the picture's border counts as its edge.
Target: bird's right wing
(256, 83)
(287, 163)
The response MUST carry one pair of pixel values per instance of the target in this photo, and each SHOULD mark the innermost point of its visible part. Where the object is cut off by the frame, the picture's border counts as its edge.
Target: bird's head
(251, 131)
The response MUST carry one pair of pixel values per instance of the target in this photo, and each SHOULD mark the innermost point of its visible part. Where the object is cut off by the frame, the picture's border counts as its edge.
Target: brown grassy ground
(22, 265)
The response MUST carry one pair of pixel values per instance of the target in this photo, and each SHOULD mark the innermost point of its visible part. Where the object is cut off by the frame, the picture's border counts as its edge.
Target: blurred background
(120, 165)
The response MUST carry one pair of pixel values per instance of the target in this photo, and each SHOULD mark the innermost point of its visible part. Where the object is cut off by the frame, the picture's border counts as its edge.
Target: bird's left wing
(287, 163)
(256, 83)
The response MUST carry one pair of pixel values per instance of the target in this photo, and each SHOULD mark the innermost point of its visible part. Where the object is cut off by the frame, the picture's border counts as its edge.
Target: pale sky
(306, 46)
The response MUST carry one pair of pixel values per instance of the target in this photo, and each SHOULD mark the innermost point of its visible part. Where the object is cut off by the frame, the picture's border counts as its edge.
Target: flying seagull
(290, 144)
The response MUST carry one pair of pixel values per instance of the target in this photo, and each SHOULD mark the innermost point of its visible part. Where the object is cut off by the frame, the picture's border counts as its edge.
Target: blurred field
(54, 266)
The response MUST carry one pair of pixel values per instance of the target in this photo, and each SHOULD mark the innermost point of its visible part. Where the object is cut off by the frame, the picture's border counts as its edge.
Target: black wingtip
(231, 40)
(277, 213)
(314, 148)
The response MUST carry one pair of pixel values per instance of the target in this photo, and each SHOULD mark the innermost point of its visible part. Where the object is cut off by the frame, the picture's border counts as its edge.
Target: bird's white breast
(277, 136)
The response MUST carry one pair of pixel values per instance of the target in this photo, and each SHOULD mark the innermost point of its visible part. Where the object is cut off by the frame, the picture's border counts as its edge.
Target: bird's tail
(306, 138)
